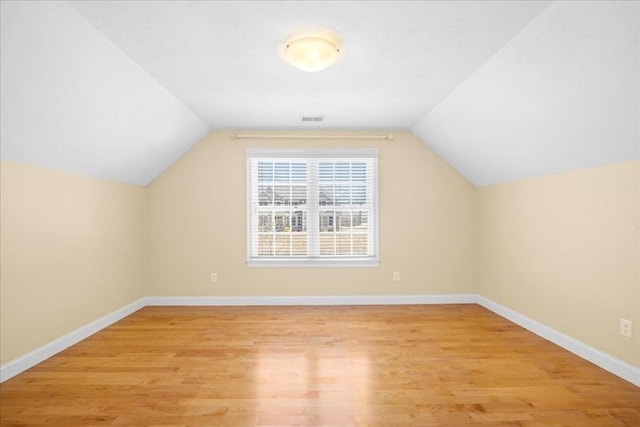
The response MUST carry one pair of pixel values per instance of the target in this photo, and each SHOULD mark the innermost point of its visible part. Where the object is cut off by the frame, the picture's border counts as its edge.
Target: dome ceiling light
(311, 53)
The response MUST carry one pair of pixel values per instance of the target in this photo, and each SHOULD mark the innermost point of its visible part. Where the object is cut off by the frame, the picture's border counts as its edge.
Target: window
(312, 207)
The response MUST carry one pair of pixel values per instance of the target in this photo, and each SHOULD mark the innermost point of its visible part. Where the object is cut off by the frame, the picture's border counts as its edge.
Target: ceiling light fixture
(311, 53)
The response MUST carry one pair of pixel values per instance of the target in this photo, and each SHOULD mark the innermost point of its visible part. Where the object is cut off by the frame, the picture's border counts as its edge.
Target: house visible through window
(312, 207)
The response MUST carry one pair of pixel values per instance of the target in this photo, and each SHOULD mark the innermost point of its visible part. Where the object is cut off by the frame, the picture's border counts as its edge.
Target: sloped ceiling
(563, 94)
(71, 100)
(501, 90)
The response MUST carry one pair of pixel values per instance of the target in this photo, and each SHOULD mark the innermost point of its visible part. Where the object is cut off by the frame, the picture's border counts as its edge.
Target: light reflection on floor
(327, 386)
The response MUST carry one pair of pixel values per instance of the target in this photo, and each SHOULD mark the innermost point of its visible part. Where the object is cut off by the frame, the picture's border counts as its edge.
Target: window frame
(369, 155)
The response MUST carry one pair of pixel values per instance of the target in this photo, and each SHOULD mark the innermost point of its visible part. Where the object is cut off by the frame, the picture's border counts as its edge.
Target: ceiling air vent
(312, 119)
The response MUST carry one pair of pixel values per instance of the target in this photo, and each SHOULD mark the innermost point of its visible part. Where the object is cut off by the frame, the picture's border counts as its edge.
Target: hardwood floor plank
(453, 365)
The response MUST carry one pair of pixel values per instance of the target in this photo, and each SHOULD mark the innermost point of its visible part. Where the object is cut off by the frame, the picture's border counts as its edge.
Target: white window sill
(315, 262)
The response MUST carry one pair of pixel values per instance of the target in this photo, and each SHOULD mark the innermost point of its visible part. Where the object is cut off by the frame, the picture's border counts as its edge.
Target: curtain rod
(384, 138)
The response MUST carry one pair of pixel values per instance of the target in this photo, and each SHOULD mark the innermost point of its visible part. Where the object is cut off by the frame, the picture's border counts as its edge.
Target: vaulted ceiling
(501, 90)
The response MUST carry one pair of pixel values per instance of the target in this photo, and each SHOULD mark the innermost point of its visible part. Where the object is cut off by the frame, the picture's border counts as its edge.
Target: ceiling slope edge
(140, 66)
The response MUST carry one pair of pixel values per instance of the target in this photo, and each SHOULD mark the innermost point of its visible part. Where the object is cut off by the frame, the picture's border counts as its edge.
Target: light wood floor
(453, 365)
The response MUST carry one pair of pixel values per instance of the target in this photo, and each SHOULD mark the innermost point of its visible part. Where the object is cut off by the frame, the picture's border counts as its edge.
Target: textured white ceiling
(120, 90)
(222, 58)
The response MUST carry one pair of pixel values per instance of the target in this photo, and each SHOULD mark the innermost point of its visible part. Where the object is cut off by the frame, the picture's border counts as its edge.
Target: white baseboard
(615, 366)
(22, 363)
(315, 300)
(605, 361)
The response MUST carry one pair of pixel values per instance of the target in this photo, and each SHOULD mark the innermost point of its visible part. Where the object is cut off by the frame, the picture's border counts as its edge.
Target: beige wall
(198, 215)
(564, 250)
(72, 249)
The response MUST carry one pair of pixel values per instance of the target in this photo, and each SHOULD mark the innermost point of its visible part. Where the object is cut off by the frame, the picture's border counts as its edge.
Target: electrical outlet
(214, 277)
(396, 276)
(625, 327)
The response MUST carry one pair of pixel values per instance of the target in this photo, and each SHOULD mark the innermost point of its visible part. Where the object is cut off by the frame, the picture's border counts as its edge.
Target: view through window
(312, 206)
